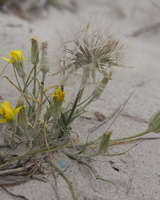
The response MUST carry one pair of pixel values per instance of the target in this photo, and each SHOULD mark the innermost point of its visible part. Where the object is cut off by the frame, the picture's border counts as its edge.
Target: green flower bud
(154, 123)
(34, 51)
(104, 143)
(100, 88)
(44, 65)
(22, 115)
(16, 59)
(58, 99)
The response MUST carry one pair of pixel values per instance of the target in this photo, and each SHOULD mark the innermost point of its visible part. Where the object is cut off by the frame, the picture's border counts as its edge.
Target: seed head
(87, 43)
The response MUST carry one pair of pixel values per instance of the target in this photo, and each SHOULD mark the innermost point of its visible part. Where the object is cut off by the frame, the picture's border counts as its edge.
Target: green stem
(13, 134)
(34, 84)
(17, 78)
(120, 139)
(73, 109)
(67, 180)
(24, 83)
(39, 109)
(87, 103)
(27, 83)
(133, 136)
(3, 69)
(34, 81)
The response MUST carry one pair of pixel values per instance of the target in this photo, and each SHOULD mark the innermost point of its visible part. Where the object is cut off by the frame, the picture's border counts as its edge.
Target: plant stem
(120, 139)
(67, 180)
(133, 136)
(13, 134)
(34, 81)
(51, 160)
(34, 84)
(39, 109)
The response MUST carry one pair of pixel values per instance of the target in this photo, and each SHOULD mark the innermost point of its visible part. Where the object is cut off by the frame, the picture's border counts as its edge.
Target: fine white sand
(136, 173)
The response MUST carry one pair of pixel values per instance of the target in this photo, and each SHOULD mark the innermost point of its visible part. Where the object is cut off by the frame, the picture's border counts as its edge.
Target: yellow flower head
(15, 56)
(7, 112)
(59, 94)
(16, 59)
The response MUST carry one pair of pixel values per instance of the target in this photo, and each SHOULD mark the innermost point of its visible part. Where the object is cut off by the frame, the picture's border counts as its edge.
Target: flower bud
(22, 115)
(104, 143)
(34, 51)
(154, 123)
(100, 88)
(44, 65)
(58, 99)
(16, 59)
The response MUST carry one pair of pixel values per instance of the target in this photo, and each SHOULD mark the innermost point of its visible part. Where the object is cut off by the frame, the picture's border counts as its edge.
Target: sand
(136, 173)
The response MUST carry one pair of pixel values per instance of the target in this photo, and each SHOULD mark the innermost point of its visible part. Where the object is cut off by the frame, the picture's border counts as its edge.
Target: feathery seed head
(89, 44)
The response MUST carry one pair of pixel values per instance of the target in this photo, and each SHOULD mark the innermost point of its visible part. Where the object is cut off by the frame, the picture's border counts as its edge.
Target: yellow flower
(15, 56)
(7, 112)
(59, 94)
(16, 59)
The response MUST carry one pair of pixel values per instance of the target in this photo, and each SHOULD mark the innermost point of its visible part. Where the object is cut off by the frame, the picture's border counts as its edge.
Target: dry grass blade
(16, 170)
(33, 99)
(48, 88)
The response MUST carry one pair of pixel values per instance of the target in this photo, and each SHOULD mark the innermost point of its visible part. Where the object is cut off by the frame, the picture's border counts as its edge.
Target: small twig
(84, 117)
(15, 195)
(134, 117)
(16, 170)
(38, 178)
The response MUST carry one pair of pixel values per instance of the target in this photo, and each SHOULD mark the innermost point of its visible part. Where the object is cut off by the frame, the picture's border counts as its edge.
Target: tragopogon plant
(87, 46)
(42, 119)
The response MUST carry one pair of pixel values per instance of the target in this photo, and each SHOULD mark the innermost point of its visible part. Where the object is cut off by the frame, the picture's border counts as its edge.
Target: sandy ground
(136, 173)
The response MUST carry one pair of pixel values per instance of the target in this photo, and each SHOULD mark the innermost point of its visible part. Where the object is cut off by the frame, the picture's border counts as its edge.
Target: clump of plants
(42, 119)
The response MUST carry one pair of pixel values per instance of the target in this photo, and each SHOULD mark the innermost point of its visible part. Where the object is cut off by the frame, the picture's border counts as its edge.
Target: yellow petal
(1, 111)
(3, 120)
(6, 59)
(6, 103)
(8, 113)
(18, 109)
